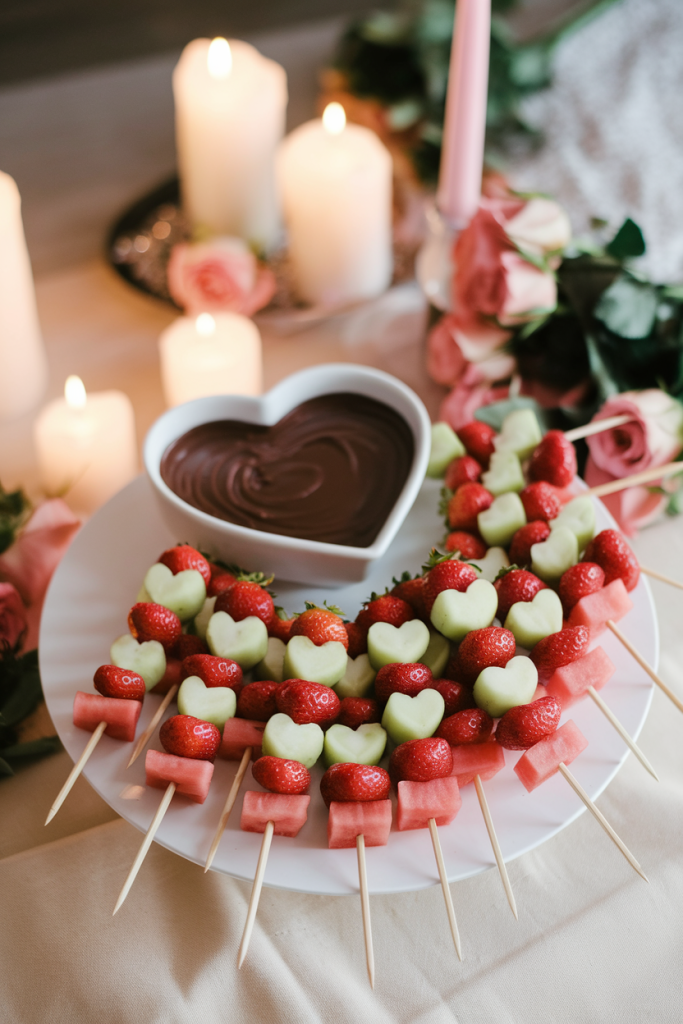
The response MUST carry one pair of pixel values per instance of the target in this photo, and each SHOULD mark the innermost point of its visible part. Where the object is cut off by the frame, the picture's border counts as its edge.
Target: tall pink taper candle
(462, 154)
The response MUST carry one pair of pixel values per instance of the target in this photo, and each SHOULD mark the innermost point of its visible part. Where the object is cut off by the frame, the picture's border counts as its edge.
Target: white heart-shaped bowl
(290, 558)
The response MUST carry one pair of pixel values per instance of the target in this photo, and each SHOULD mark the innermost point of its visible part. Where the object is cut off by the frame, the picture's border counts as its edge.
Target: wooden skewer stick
(146, 843)
(76, 771)
(601, 819)
(146, 735)
(497, 852)
(644, 665)
(256, 892)
(660, 576)
(597, 426)
(229, 804)
(647, 476)
(365, 908)
(448, 900)
(628, 740)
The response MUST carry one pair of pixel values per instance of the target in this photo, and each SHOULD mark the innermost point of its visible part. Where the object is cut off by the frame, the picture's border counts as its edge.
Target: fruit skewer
(146, 736)
(228, 806)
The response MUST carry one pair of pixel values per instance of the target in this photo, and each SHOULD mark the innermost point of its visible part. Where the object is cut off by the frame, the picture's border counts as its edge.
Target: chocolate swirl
(331, 470)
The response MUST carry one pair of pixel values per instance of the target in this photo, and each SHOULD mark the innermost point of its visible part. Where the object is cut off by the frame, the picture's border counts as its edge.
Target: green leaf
(628, 241)
(5, 768)
(628, 308)
(33, 748)
(26, 695)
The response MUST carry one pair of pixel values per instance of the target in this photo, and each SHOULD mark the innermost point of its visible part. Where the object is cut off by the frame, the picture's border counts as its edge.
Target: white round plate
(87, 607)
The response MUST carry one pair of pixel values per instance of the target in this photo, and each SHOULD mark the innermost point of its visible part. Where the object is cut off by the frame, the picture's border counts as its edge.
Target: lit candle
(462, 155)
(335, 180)
(23, 364)
(86, 445)
(212, 355)
(230, 105)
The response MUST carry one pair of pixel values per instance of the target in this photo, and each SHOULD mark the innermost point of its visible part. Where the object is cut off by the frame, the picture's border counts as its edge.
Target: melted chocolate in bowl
(331, 470)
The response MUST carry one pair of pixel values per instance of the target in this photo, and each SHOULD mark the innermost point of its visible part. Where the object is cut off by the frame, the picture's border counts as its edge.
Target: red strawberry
(257, 701)
(478, 440)
(244, 599)
(540, 501)
(320, 626)
(187, 644)
(355, 783)
(387, 608)
(281, 629)
(213, 671)
(466, 504)
(148, 621)
(358, 639)
(483, 648)
(281, 776)
(580, 580)
(612, 553)
(355, 711)
(472, 726)
(112, 681)
(421, 760)
(554, 460)
(532, 533)
(307, 702)
(516, 585)
(521, 727)
(456, 696)
(559, 649)
(221, 579)
(402, 678)
(452, 670)
(411, 590)
(465, 545)
(464, 470)
(448, 575)
(186, 736)
(183, 557)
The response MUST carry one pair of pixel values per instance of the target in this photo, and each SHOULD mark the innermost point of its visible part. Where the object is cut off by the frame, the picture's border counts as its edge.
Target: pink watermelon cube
(369, 818)
(419, 801)
(171, 677)
(287, 812)
(593, 611)
(238, 734)
(120, 715)
(483, 759)
(570, 682)
(542, 760)
(191, 776)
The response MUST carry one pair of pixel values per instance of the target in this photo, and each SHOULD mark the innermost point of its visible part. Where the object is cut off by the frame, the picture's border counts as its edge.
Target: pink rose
(29, 563)
(472, 391)
(12, 617)
(218, 276)
(455, 342)
(540, 227)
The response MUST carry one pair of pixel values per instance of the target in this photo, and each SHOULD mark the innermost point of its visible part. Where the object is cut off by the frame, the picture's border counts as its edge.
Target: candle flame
(219, 59)
(334, 118)
(74, 392)
(205, 325)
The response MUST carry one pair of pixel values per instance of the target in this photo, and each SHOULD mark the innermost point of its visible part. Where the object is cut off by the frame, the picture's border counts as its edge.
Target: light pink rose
(12, 616)
(454, 342)
(632, 508)
(218, 276)
(529, 290)
(540, 227)
(29, 563)
(472, 391)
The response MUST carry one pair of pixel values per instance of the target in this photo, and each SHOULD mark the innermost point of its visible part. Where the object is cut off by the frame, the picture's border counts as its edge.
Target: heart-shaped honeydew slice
(357, 679)
(364, 745)
(499, 689)
(201, 621)
(456, 614)
(147, 659)
(325, 664)
(553, 556)
(446, 446)
(273, 665)
(499, 523)
(183, 593)
(413, 718)
(520, 434)
(388, 644)
(246, 642)
(504, 474)
(284, 738)
(579, 516)
(490, 565)
(437, 654)
(215, 704)
(530, 621)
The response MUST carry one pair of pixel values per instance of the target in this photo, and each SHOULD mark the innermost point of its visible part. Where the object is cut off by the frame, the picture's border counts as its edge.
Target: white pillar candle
(230, 105)
(86, 446)
(216, 354)
(335, 181)
(23, 364)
